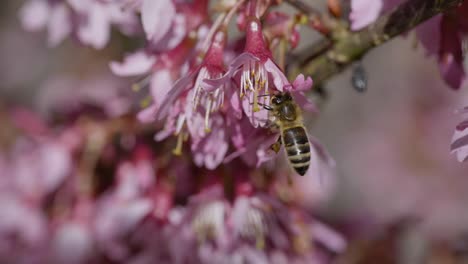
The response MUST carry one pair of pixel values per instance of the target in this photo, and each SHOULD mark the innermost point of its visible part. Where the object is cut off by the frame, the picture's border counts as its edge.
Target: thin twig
(320, 21)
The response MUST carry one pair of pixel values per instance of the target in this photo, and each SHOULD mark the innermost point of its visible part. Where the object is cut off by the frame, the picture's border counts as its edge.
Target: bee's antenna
(266, 107)
(264, 95)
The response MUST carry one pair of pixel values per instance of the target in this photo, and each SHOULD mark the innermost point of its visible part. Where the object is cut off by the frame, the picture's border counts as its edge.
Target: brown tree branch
(351, 46)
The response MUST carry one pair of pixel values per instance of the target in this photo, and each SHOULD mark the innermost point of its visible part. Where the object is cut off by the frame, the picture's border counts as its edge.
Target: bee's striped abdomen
(296, 144)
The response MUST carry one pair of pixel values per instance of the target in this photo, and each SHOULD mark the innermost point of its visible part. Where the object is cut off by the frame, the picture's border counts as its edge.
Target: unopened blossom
(281, 25)
(443, 37)
(89, 20)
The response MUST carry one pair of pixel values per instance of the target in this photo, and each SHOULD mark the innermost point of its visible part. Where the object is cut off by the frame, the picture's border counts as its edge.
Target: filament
(178, 149)
(207, 116)
(141, 83)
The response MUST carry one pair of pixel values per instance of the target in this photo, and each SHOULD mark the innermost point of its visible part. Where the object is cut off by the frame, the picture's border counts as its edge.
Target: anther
(145, 102)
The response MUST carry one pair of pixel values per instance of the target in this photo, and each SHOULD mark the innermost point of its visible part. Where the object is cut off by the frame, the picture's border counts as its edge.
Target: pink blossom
(253, 145)
(156, 17)
(166, 23)
(191, 109)
(252, 71)
(25, 223)
(89, 20)
(160, 71)
(72, 243)
(298, 89)
(39, 14)
(281, 25)
(364, 12)
(120, 212)
(255, 228)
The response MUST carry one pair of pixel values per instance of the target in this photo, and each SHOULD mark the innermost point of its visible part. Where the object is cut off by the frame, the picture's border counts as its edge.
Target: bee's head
(281, 98)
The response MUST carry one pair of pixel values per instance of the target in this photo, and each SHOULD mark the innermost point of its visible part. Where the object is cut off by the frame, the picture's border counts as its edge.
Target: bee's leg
(277, 145)
(272, 125)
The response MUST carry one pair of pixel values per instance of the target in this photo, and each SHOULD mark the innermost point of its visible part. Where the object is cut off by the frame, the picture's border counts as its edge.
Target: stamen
(255, 227)
(196, 98)
(207, 116)
(177, 151)
(141, 83)
(145, 102)
(198, 93)
(208, 221)
(256, 108)
(260, 242)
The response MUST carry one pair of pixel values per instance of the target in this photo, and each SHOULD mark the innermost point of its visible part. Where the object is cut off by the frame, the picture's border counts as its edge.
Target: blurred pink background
(391, 144)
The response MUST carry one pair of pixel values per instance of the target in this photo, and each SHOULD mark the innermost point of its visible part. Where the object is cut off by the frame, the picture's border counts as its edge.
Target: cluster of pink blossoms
(103, 190)
(205, 89)
(85, 193)
(211, 92)
(90, 21)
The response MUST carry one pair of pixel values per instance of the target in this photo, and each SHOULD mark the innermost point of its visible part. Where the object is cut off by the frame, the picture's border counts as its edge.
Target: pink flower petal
(161, 83)
(157, 16)
(257, 119)
(179, 87)
(59, 26)
(57, 164)
(304, 102)
(73, 243)
(34, 15)
(364, 12)
(233, 67)
(235, 103)
(429, 34)
(96, 32)
(452, 71)
(328, 237)
(302, 84)
(133, 64)
(211, 151)
(279, 79)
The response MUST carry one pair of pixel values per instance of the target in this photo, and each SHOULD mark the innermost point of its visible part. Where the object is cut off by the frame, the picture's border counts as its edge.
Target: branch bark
(351, 46)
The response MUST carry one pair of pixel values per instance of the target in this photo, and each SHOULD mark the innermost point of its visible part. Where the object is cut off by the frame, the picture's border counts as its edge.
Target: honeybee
(293, 135)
